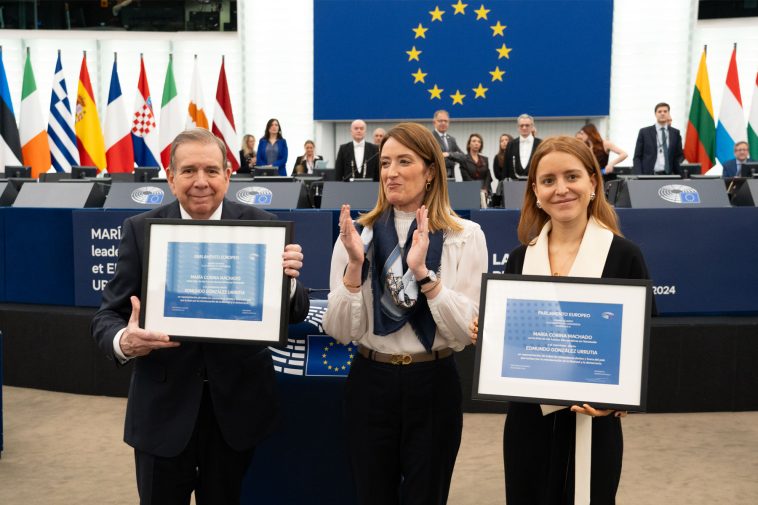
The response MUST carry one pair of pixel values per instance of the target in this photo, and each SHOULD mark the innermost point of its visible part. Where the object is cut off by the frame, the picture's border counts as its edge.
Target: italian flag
(752, 125)
(171, 115)
(32, 129)
(700, 142)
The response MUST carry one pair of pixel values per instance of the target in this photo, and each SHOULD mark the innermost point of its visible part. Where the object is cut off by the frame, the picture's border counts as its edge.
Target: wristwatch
(430, 277)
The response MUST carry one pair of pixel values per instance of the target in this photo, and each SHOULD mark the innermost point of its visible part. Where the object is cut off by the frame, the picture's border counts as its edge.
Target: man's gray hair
(199, 136)
(526, 116)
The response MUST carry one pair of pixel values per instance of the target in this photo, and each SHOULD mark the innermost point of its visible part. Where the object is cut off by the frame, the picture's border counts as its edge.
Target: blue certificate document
(562, 341)
(223, 281)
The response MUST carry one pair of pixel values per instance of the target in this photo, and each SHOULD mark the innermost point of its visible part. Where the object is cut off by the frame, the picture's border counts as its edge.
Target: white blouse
(349, 316)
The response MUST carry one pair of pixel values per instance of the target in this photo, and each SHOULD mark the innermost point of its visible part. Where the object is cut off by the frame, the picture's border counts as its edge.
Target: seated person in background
(474, 166)
(601, 148)
(304, 164)
(357, 159)
(247, 155)
(498, 164)
(733, 168)
(272, 148)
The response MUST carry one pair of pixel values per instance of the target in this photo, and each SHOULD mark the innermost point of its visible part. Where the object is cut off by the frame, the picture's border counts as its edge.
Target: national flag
(89, 136)
(10, 150)
(32, 133)
(731, 126)
(700, 142)
(60, 131)
(327, 357)
(144, 126)
(196, 117)
(223, 118)
(171, 115)
(118, 133)
(752, 126)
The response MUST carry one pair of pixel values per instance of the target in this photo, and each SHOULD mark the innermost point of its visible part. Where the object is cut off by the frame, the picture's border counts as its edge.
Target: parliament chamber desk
(703, 347)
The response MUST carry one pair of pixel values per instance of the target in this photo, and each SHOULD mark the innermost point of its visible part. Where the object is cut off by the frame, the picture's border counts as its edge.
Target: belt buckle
(401, 359)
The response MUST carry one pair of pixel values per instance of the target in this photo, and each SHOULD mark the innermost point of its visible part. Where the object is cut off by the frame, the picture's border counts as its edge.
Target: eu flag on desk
(404, 59)
(327, 357)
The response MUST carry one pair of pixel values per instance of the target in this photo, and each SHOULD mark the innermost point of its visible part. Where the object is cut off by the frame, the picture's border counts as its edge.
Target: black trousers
(404, 429)
(539, 457)
(207, 466)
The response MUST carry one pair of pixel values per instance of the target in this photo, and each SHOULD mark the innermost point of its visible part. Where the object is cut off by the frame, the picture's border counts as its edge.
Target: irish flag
(32, 128)
(752, 126)
(700, 142)
(731, 127)
(89, 135)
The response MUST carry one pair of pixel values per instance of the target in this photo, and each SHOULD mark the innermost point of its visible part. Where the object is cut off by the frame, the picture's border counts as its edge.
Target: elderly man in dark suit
(447, 142)
(659, 147)
(195, 410)
(357, 159)
(518, 153)
(733, 167)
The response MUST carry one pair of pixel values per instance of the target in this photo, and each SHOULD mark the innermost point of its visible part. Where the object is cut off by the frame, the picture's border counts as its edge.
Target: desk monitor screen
(327, 173)
(266, 170)
(748, 169)
(622, 170)
(18, 172)
(320, 164)
(78, 172)
(146, 174)
(688, 169)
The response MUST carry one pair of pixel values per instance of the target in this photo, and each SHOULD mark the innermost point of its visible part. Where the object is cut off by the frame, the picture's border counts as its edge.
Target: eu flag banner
(327, 357)
(404, 59)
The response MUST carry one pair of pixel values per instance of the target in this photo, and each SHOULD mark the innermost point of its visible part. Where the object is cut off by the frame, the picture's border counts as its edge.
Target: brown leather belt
(403, 359)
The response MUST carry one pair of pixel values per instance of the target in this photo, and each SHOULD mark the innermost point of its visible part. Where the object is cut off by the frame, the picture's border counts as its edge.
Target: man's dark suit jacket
(167, 384)
(730, 167)
(513, 158)
(452, 147)
(343, 170)
(646, 150)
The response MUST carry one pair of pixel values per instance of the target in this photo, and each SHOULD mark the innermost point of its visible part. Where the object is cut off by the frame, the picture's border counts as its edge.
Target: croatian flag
(144, 127)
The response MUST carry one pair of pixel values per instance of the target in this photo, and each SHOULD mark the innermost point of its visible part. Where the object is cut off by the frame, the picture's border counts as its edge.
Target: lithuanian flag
(700, 142)
(89, 135)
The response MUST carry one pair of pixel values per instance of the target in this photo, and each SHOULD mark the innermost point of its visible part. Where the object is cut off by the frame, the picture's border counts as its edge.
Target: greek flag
(60, 130)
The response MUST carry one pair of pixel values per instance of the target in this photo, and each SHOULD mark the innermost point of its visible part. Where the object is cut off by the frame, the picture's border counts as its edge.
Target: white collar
(359, 144)
(216, 216)
(530, 138)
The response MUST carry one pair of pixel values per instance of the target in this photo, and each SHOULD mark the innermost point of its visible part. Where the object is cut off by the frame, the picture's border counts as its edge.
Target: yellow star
(419, 76)
(329, 367)
(325, 362)
(323, 355)
(326, 348)
(498, 29)
(503, 52)
(480, 91)
(420, 31)
(349, 363)
(436, 14)
(343, 367)
(435, 92)
(457, 97)
(350, 356)
(481, 13)
(460, 8)
(497, 74)
(413, 54)
(331, 344)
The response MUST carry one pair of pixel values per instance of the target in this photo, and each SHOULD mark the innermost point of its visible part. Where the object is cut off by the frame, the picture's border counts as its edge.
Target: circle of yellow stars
(338, 368)
(496, 74)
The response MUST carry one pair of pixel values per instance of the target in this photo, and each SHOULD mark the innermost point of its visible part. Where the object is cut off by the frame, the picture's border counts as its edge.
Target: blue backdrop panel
(411, 56)
(38, 262)
(305, 461)
(702, 261)
(499, 228)
(313, 231)
(3, 241)
(95, 247)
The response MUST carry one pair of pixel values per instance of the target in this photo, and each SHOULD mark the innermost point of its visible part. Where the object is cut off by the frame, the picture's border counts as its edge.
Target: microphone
(365, 162)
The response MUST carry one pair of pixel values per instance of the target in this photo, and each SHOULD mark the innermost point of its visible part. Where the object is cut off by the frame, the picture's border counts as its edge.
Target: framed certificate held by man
(563, 341)
(216, 281)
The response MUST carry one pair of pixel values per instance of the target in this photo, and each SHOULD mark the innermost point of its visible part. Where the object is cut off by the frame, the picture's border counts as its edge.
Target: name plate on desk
(138, 195)
(360, 195)
(563, 341)
(287, 194)
(672, 193)
(59, 195)
(219, 281)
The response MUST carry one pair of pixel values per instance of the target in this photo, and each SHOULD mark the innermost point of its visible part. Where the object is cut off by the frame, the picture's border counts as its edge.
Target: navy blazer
(345, 165)
(167, 384)
(281, 160)
(646, 150)
(730, 167)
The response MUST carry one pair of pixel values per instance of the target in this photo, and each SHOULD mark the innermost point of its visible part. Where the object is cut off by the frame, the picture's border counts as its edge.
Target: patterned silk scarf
(397, 298)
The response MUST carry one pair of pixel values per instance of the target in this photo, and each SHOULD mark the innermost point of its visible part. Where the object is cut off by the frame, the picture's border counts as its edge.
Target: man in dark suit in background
(518, 153)
(733, 167)
(446, 141)
(659, 147)
(357, 159)
(195, 410)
